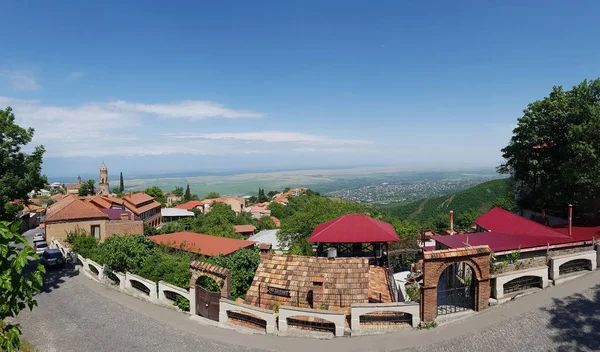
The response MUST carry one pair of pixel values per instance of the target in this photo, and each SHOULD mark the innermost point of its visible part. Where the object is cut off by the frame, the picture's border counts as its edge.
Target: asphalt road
(77, 314)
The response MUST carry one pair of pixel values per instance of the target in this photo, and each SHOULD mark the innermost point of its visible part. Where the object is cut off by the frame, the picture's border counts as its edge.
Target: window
(96, 231)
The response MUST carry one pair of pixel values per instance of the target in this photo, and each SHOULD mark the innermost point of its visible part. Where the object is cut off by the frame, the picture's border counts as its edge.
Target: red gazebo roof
(353, 228)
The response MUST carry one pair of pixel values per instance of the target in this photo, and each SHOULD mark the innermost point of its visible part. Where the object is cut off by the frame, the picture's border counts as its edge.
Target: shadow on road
(54, 277)
(575, 322)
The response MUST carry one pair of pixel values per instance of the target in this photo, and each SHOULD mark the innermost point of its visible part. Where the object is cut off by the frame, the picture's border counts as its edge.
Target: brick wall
(107, 228)
(119, 227)
(478, 258)
(60, 230)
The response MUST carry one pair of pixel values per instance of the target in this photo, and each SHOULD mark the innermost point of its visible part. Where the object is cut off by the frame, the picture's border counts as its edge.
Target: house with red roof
(192, 204)
(353, 235)
(244, 230)
(202, 244)
(145, 207)
(528, 254)
(74, 214)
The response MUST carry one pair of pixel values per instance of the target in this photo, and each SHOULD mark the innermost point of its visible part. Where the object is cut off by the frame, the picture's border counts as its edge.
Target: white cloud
(99, 129)
(20, 80)
(275, 136)
(75, 75)
(192, 109)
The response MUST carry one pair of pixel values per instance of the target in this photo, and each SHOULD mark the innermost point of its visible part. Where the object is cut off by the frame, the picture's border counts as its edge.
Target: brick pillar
(483, 297)
(429, 304)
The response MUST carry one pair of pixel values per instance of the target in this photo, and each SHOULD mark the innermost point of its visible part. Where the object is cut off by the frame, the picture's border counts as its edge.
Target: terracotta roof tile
(345, 279)
(200, 243)
(244, 228)
(72, 208)
(137, 198)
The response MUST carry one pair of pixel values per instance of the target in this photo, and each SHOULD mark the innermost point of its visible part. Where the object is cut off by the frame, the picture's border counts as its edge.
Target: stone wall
(337, 318)
(501, 279)
(358, 310)
(130, 280)
(267, 315)
(557, 260)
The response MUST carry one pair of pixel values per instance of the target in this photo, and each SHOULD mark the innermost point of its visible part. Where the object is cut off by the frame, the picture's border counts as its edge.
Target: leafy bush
(242, 264)
(182, 303)
(209, 284)
(413, 293)
(85, 245)
(125, 253)
(170, 267)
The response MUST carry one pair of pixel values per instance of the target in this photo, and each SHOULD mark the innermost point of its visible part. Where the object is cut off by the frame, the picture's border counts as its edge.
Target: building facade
(145, 207)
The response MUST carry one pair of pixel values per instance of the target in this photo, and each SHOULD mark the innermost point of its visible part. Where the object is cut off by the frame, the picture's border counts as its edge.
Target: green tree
(121, 183)
(212, 195)
(265, 223)
(261, 196)
(188, 195)
(178, 191)
(19, 172)
(87, 188)
(505, 203)
(219, 221)
(124, 253)
(279, 211)
(84, 244)
(18, 282)
(466, 219)
(553, 156)
(309, 210)
(271, 194)
(242, 264)
(156, 193)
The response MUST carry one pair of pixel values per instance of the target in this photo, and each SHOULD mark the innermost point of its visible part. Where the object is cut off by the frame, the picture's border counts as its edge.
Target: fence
(155, 292)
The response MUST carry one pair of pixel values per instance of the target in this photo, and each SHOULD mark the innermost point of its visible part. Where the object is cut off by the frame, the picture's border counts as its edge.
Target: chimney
(266, 250)
(570, 218)
(451, 222)
(124, 216)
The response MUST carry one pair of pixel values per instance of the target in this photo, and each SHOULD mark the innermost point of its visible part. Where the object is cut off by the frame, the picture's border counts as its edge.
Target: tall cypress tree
(121, 183)
(188, 195)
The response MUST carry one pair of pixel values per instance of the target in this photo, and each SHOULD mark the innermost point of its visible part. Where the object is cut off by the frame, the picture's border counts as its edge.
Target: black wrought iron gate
(456, 289)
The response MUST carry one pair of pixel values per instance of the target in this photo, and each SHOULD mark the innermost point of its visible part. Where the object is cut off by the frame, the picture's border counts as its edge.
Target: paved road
(77, 314)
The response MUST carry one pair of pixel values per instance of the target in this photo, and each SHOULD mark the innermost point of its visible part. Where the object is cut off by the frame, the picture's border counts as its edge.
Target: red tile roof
(101, 202)
(190, 205)
(200, 243)
(137, 198)
(72, 208)
(510, 231)
(244, 228)
(145, 208)
(353, 228)
(500, 220)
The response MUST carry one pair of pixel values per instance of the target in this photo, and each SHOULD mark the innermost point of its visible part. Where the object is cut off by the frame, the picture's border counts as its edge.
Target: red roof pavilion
(353, 228)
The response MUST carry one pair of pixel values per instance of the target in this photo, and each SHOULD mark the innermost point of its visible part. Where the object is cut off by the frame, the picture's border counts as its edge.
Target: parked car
(39, 237)
(40, 246)
(53, 257)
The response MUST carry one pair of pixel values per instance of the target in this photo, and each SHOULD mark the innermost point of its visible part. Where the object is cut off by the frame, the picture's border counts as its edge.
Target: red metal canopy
(353, 228)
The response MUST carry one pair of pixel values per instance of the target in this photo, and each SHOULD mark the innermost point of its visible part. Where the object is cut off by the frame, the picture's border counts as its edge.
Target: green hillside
(478, 199)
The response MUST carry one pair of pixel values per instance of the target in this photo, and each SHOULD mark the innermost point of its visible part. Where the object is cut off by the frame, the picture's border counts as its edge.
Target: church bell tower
(103, 184)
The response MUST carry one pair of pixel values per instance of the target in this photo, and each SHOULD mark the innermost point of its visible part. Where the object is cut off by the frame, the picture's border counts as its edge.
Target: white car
(40, 246)
(39, 237)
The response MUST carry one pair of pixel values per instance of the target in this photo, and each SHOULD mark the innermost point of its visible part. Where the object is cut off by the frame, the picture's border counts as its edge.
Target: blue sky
(226, 85)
